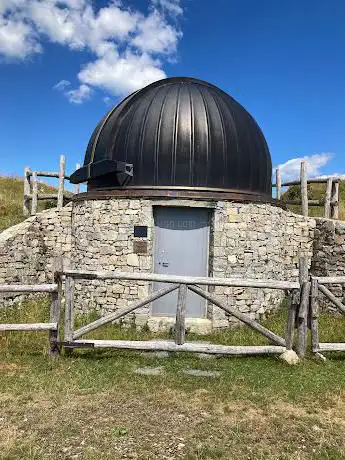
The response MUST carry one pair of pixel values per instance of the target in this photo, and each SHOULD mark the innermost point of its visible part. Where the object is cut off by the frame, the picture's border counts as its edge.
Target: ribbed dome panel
(182, 132)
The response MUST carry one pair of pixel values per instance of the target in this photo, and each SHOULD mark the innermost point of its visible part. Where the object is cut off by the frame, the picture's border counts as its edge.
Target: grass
(92, 406)
(11, 200)
(315, 192)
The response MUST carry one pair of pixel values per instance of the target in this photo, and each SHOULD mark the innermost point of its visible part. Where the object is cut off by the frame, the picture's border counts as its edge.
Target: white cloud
(127, 46)
(314, 163)
(76, 96)
(107, 100)
(62, 85)
(121, 74)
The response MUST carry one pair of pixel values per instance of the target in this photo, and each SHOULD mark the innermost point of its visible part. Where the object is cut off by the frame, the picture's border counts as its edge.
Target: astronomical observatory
(179, 182)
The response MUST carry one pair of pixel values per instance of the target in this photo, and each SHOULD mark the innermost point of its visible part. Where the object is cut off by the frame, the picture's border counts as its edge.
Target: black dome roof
(178, 132)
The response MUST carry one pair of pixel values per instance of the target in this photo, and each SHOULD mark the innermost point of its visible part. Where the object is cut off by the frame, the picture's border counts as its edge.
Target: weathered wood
(34, 194)
(61, 182)
(334, 346)
(166, 345)
(69, 308)
(234, 282)
(304, 188)
(303, 320)
(28, 327)
(55, 308)
(335, 201)
(328, 198)
(26, 191)
(332, 298)
(22, 288)
(77, 186)
(279, 183)
(122, 312)
(47, 174)
(240, 316)
(180, 327)
(314, 314)
(317, 180)
(299, 202)
(290, 324)
(330, 279)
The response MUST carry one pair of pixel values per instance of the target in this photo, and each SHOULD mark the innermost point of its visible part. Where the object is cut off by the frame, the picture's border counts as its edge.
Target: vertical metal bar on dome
(61, 182)
(304, 188)
(34, 193)
(26, 197)
(278, 183)
(77, 186)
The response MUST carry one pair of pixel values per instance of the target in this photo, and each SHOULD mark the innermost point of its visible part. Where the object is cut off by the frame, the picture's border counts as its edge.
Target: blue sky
(64, 63)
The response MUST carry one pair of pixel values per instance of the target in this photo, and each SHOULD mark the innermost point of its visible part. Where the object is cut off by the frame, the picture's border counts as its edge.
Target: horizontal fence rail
(229, 282)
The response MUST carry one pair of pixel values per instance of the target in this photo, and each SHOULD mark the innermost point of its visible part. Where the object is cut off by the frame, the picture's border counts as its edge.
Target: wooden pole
(278, 183)
(335, 201)
(61, 182)
(304, 188)
(34, 194)
(314, 314)
(55, 308)
(328, 198)
(26, 201)
(303, 306)
(291, 320)
(77, 186)
(69, 308)
(180, 328)
(332, 298)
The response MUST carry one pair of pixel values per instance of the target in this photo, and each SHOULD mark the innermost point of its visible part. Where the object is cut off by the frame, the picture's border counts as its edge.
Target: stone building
(178, 182)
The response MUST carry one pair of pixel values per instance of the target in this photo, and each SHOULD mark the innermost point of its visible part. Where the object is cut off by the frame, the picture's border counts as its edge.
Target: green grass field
(92, 405)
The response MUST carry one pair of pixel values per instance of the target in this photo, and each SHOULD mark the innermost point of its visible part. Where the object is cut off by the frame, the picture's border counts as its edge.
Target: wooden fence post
(69, 308)
(303, 306)
(314, 315)
(61, 182)
(278, 183)
(55, 309)
(26, 192)
(34, 194)
(291, 320)
(77, 186)
(329, 187)
(304, 188)
(335, 200)
(180, 325)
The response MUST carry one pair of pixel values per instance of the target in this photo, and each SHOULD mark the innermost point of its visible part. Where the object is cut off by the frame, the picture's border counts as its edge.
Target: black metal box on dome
(179, 183)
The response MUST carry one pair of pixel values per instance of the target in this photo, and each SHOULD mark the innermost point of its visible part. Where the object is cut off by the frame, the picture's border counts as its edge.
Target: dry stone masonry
(247, 240)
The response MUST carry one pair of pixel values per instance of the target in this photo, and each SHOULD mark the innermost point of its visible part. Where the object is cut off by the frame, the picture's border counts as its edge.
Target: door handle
(165, 264)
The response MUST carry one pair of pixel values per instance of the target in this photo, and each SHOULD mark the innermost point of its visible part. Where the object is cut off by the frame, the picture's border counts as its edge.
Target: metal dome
(178, 133)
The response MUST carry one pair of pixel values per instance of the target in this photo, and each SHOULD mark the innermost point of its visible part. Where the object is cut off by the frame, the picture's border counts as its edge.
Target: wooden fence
(55, 289)
(277, 344)
(330, 202)
(31, 187)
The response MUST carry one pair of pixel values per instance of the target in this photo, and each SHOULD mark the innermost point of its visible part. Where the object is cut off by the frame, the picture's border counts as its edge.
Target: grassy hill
(11, 200)
(315, 192)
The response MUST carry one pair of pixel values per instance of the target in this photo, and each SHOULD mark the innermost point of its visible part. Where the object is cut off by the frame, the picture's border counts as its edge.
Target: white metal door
(181, 248)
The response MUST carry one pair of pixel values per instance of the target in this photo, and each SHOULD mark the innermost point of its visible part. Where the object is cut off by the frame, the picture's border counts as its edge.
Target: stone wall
(247, 240)
(28, 250)
(329, 253)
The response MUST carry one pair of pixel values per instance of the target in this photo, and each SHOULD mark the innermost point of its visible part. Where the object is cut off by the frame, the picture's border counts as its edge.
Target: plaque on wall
(140, 231)
(140, 247)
